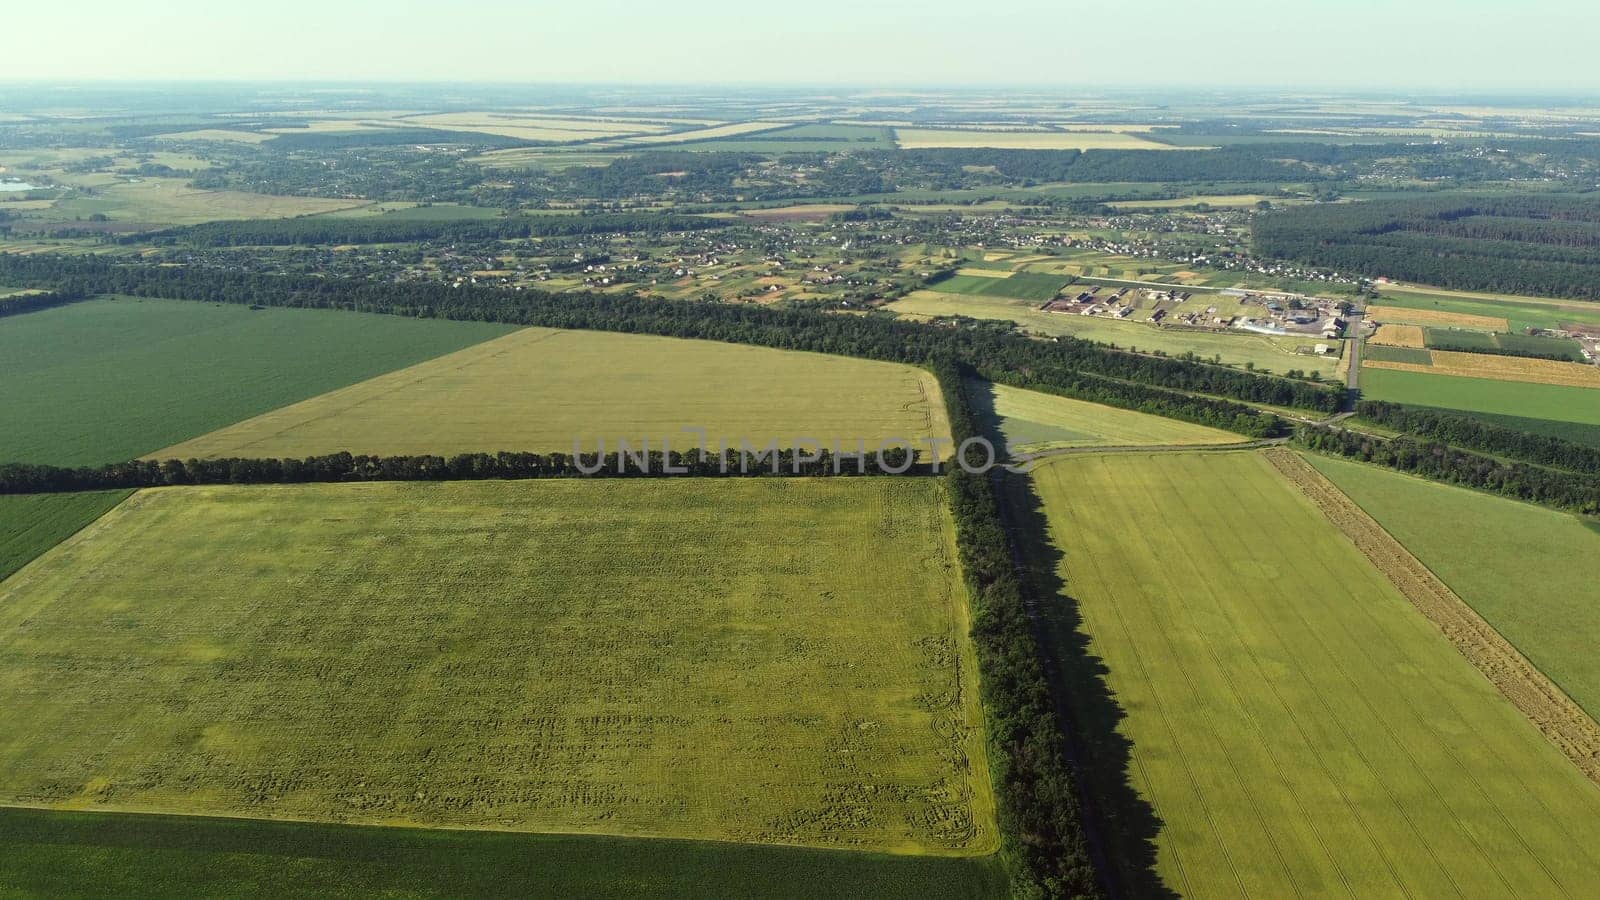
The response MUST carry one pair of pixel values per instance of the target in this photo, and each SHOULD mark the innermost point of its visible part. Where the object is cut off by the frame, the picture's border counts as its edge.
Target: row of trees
(1578, 492)
(1476, 434)
(1071, 367)
(325, 230)
(26, 478)
(1040, 812)
(25, 303)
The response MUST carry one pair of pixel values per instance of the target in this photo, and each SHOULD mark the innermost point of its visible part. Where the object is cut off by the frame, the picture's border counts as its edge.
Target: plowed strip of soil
(1551, 710)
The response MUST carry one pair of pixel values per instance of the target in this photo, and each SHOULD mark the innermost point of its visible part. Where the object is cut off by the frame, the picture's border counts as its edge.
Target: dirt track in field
(1551, 710)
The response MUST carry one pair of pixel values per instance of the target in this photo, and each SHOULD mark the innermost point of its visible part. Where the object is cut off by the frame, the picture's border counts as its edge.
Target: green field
(30, 524)
(94, 855)
(539, 390)
(1526, 569)
(1460, 339)
(1522, 313)
(1410, 355)
(1268, 354)
(1020, 286)
(108, 380)
(669, 658)
(1296, 726)
(1572, 431)
(1553, 402)
(1031, 420)
(1486, 342)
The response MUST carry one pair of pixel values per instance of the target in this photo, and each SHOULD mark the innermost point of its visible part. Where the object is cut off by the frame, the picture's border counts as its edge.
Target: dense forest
(1041, 815)
(325, 230)
(1071, 367)
(1534, 244)
(1574, 491)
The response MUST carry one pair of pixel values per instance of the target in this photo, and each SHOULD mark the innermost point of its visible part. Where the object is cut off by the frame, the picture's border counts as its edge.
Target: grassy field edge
(150, 855)
(32, 524)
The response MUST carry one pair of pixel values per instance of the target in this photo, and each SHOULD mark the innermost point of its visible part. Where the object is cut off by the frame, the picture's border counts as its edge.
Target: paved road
(1352, 378)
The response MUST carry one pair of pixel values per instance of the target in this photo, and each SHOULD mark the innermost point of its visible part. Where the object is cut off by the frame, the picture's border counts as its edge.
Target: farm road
(1024, 458)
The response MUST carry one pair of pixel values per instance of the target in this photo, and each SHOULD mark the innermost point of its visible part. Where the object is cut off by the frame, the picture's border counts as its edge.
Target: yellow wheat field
(1400, 336)
(1501, 368)
(1436, 317)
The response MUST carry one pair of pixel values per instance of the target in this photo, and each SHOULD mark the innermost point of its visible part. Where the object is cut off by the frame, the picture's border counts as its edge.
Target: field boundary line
(1532, 692)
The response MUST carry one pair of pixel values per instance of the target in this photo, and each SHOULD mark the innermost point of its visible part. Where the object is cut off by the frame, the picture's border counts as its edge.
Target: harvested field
(928, 138)
(1501, 368)
(1401, 336)
(1513, 368)
(527, 127)
(541, 390)
(1293, 725)
(1549, 708)
(985, 273)
(1400, 314)
(708, 134)
(675, 658)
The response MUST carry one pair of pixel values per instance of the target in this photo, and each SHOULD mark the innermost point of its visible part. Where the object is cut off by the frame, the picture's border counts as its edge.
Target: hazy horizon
(1429, 46)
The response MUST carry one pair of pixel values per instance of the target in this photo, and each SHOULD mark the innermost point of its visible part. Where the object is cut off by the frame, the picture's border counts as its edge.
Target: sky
(1487, 46)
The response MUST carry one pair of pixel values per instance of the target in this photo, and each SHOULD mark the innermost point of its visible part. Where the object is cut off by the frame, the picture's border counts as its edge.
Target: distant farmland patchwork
(1296, 726)
(924, 138)
(541, 389)
(672, 658)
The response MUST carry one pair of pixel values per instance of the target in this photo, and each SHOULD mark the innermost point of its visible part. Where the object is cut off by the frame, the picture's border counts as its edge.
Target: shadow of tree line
(1122, 826)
